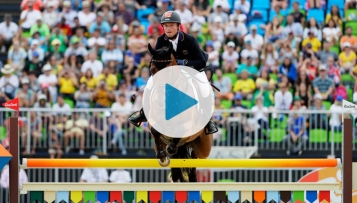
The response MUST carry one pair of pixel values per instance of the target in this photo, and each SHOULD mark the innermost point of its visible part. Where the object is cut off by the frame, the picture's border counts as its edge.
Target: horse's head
(161, 58)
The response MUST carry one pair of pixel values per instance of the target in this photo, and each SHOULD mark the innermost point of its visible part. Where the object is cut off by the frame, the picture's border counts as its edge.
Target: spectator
(297, 13)
(244, 4)
(83, 97)
(89, 80)
(333, 70)
(282, 98)
(273, 31)
(260, 113)
(137, 41)
(16, 56)
(237, 28)
(335, 15)
(26, 96)
(8, 82)
(223, 83)
(56, 66)
(76, 49)
(311, 39)
(96, 175)
(7, 32)
(57, 34)
(67, 14)
(80, 31)
(304, 95)
(348, 37)
(201, 8)
(336, 110)
(61, 108)
(5, 178)
(218, 12)
(324, 85)
(307, 53)
(288, 69)
(128, 17)
(85, 16)
(248, 66)
(117, 36)
(96, 42)
(269, 58)
(256, 40)
(102, 96)
(213, 55)
(96, 126)
(35, 47)
(224, 3)
(249, 52)
(110, 79)
(347, 58)
(34, 85)
(143, 79)
(65, 27)
(312, 26)
(42, 103)
(48, 78)
(75, 128)
(55, 147)
(302, 77)
(29, 16)
(294, 27)
(68, 84)
(40, 27)
(323, 55)
(120, 176)
(244, 86)
(50, 16)
(108, 14)
(185, 14)
(281, 4)
(230, 58)
(35, 132)
(297, 137)
(332, 32)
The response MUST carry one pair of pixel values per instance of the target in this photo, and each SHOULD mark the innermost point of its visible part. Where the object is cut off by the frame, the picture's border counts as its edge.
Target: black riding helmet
(170, 17)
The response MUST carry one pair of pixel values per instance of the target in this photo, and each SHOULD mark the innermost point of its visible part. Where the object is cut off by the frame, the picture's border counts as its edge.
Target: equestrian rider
(186, 52)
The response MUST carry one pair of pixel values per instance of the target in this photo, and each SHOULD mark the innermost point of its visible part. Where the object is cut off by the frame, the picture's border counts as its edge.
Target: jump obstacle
(185, 192)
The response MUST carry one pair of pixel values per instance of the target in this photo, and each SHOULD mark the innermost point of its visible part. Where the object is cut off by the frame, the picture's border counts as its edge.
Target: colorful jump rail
(181, 192)
(179, 163)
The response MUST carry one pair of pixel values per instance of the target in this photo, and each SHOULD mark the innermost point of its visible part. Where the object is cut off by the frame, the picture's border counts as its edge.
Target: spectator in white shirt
(96, 41)
(244, 4)
(336, 114)
(249, 51)
(29, 17)
(16, 56)
(94, 175)
(61, 108)
(35, 47)
(218, 28)
(112, 54)
(7, 32)
(50, 79)
(238, 28)
(75, 49)
(86, 17)
(256, 39)
(68, 14)
(213, 55)
(51, 3)
(120, 176)
(260, 113)
(50, 16)
(95, 65)
(224, 3)
(282, 98)
(185, 14)
(230, 58)
(9, 82)
(218, 12)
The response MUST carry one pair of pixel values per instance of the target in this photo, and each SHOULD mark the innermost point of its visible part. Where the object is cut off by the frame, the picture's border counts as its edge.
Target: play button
(178, 101)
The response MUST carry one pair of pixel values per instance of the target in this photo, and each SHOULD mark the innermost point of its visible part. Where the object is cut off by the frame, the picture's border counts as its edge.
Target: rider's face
(171, 29)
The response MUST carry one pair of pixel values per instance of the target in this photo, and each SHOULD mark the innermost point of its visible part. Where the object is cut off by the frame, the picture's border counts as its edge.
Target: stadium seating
(318, 135)
(317, 14)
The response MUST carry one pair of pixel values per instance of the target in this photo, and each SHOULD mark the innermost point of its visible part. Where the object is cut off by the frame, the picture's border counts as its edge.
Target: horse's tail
(183, 174)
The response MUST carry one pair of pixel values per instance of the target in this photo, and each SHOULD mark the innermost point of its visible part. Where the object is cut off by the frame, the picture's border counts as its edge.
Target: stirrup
(138, 123)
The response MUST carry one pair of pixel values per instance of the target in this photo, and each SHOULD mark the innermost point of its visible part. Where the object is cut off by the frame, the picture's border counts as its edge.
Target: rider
(186, 52)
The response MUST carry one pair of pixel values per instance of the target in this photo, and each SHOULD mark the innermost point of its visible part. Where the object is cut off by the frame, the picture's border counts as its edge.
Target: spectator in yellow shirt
(315, 43)
(347, 58)
(89, 80)
(68, 84)
(110, 79)
(245, 86)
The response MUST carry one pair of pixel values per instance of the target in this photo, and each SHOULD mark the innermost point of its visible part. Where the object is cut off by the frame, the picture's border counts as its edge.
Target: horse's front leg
(161, 155)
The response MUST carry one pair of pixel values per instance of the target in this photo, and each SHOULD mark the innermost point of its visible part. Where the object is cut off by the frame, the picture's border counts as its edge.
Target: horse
(197, 145)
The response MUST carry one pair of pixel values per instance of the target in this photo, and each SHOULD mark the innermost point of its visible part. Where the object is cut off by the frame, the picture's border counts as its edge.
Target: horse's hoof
(164, 161)
(161, 154)
(171, 149)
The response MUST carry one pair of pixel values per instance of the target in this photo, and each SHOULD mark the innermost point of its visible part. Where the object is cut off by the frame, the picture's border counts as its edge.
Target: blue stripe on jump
(102, 196)
(273, 195)
(168, 195)
(62, 195)
(311, 196)
(233, 196)
(194, 196)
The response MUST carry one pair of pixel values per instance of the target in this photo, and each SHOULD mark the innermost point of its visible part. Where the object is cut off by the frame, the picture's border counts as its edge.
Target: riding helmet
(170, 17)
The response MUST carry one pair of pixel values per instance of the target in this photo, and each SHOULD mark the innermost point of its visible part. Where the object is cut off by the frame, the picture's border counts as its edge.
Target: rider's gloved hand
(179, 62)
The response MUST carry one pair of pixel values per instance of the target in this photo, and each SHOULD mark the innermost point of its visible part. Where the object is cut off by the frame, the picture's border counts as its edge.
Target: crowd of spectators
(67, 54)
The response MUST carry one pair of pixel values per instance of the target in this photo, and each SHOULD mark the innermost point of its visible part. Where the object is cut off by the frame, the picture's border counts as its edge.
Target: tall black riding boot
(211, 127)
(137, 117)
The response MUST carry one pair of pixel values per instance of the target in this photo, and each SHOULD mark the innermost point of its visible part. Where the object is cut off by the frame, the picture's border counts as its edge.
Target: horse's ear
(151, 50)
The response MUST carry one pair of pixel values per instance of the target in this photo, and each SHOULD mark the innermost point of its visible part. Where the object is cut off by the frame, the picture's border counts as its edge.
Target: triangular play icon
(176, 102)
(5, 157)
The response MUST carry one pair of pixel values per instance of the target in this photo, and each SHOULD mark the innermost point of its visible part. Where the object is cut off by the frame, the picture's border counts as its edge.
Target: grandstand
(81, 63)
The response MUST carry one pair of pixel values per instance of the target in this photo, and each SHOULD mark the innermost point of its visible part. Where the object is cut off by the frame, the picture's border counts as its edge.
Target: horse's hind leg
(160, 152)
(172, 147)
(202, 145)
